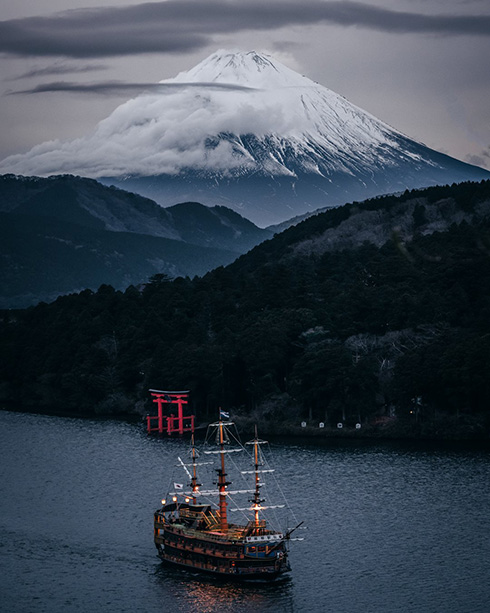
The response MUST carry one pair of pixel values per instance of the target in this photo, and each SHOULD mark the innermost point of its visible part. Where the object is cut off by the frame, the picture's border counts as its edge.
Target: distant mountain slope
(216, 226)
(244, 131)
(89, 203)
(65, 234)
(42, 261)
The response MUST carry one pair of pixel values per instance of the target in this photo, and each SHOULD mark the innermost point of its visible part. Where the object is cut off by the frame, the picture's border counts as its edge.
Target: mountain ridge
(63, 234)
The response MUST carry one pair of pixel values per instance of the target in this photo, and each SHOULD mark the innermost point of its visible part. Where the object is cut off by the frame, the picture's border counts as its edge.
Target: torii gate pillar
(173, 424)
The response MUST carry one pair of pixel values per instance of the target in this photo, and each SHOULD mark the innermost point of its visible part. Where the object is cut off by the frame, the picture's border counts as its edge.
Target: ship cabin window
(252, 549)
(261, 547)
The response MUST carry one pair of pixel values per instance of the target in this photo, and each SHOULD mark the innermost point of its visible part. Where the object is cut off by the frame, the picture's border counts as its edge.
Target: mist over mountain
(242, 130)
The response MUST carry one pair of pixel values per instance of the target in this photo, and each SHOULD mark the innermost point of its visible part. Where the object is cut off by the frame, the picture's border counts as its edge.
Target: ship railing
(251, 526)
(209, 551)
(190, 514)
(204, 536)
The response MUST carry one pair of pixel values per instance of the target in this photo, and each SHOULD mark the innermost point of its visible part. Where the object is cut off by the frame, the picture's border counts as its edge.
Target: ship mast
(222, 483)
(194, 484)
(256, 499)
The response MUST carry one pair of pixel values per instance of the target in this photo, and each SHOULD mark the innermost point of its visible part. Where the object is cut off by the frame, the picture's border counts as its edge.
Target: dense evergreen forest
(308, 326)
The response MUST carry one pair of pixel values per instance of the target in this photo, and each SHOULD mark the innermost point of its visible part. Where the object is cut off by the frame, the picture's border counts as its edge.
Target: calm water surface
(391, 527)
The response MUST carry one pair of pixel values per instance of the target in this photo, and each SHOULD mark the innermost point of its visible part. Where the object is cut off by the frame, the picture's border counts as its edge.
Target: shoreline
(441, 430)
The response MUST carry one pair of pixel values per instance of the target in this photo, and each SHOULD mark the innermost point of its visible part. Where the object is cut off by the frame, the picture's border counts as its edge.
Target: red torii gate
(170, 424)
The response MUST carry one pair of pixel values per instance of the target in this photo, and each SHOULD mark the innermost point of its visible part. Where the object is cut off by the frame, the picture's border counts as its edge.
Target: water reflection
(208, 594)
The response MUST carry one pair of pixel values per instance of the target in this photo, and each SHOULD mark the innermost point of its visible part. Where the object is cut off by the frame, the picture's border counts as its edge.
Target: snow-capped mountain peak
(246, 69)
(192, 122)
(243, 130)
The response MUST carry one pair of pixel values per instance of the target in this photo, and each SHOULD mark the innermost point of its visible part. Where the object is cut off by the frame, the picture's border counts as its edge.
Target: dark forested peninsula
(374, 313)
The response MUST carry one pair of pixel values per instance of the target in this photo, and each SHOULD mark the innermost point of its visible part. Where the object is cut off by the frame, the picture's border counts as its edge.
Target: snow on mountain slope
(245, 131)
(191, 124)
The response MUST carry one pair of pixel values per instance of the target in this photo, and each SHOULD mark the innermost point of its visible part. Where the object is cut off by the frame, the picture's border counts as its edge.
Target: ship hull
(259, 576)
(212, 554)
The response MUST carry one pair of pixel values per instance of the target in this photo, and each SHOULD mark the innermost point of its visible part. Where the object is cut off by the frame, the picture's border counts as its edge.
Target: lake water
(392, 527)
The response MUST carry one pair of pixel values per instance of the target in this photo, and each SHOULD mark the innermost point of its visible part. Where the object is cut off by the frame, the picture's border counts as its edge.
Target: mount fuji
(244, 131)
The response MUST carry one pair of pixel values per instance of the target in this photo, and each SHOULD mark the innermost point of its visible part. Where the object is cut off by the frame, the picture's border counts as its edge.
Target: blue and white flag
(224, 414)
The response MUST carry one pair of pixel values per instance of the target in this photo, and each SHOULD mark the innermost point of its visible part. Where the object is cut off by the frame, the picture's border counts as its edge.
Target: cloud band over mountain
(186, 25)
(119, 87)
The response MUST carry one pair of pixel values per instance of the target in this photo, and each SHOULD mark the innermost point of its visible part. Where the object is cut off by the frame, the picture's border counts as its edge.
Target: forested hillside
(373, 310)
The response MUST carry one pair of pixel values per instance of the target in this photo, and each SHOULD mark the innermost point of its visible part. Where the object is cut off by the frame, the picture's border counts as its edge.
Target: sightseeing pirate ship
(193, 533)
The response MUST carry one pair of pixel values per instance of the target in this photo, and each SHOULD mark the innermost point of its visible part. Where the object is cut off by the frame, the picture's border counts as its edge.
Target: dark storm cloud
(58, 70)
(119, 87)
(186, 25)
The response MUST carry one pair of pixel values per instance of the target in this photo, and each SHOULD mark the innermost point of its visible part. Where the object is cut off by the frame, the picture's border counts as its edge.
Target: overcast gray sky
(420, 65)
